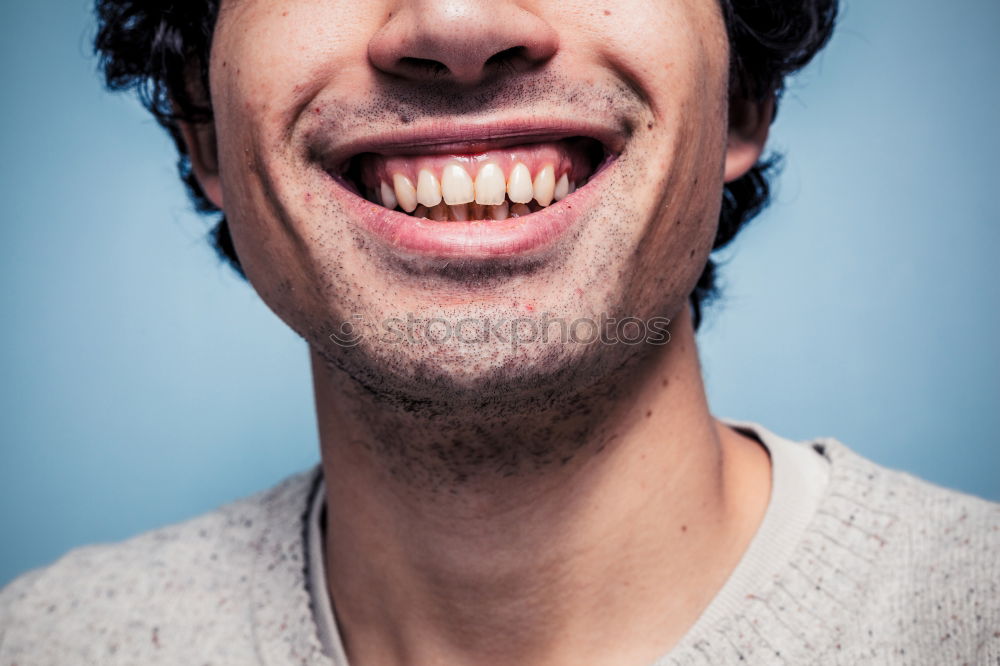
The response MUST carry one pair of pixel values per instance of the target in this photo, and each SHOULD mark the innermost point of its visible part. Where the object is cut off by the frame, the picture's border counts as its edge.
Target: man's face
(319, 103)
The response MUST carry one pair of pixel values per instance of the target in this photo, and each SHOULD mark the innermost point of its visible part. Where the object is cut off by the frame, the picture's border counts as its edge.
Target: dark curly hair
(155, 46)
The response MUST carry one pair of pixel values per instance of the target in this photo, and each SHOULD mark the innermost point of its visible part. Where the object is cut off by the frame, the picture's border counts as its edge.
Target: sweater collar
(788, 595)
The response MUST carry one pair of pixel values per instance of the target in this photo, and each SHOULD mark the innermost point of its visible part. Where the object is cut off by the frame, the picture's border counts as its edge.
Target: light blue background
(143, 383)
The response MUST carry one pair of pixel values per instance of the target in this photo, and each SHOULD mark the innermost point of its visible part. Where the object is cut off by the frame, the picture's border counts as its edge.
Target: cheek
(673, 254)
(268, 61)
(684, 162)
(676, 55)
(275, 56)
(660, 45)
(695, 122)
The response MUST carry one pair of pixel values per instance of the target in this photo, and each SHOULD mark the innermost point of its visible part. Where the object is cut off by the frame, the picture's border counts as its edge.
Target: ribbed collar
(791, 580)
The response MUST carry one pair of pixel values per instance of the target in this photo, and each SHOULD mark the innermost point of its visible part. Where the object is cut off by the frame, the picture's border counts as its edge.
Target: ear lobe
(203, 152)
(749, 123)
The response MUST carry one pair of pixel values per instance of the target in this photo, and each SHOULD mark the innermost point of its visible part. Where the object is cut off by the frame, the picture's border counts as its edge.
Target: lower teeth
(467, 212)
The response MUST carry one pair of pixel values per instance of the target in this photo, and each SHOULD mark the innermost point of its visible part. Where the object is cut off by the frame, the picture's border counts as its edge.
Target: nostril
(424, 66)
(508, 59)
(513, 53)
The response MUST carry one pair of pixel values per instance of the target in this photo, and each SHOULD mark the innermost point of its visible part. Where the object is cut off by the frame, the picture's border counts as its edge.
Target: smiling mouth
(475, 181)
(510, 190)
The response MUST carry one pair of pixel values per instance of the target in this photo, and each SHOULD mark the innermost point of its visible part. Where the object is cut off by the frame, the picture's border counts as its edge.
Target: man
(492, 224)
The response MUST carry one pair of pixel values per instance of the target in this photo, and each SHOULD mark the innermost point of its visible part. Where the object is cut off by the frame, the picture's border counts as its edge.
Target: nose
(465, 41)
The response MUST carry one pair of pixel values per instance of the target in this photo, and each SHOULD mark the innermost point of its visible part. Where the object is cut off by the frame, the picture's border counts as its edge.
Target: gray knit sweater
(884, 569)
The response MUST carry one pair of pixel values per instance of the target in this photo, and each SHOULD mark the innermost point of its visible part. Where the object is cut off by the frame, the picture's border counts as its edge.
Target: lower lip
(478, 239)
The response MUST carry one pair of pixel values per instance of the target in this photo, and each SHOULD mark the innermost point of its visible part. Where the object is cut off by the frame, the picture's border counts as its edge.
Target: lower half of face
(523, 234)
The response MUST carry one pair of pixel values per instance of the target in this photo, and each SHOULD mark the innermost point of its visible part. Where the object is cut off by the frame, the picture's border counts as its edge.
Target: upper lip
(445, 137)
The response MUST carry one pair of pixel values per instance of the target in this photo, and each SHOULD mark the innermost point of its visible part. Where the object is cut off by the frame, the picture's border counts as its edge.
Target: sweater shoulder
(938, 522)
(934, 574)
(96, 602)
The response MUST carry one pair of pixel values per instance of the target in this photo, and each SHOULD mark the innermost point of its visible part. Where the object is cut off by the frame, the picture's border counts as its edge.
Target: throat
(552, 537)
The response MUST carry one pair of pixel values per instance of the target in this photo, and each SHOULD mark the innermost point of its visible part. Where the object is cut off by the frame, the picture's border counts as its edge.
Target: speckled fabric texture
(889, 570)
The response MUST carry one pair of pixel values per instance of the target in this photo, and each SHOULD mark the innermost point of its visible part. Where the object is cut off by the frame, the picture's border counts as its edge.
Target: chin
(452, 375)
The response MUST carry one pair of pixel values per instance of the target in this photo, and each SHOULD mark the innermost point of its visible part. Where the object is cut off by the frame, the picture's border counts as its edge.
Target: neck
(606, 553)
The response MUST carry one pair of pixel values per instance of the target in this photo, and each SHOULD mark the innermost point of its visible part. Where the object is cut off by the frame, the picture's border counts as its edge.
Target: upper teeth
(562, 188)
(389, 199)
(405, 193)
(545, 186)
(519, 187)
(491, 186)
(456, 185)
(428, 189)
(457, 188)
